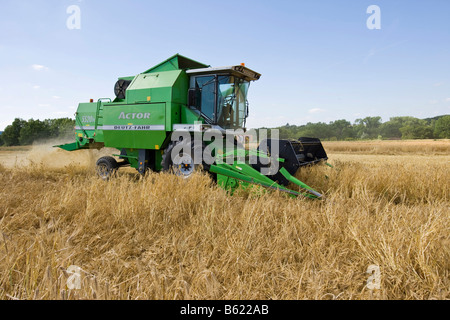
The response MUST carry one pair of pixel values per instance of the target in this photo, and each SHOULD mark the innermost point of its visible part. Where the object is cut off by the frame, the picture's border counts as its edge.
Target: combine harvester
(163, 120)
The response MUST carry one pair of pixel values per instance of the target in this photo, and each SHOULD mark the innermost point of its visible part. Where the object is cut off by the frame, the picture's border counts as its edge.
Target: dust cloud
(46, 154)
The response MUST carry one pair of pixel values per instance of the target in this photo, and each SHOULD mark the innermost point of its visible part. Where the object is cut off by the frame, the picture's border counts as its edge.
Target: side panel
(178, 100)
(173, 115)
(155, 87)
(85, 120)
(140, 126)
(188, 116)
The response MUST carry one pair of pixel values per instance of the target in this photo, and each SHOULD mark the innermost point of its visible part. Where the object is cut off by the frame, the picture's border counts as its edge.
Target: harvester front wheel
(106, 167)
(181, 158)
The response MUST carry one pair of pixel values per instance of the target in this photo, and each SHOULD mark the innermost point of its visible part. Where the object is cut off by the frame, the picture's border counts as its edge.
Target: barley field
(165, 238)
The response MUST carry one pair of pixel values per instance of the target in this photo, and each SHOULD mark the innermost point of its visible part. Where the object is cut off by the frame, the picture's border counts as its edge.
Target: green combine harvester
(182, 115)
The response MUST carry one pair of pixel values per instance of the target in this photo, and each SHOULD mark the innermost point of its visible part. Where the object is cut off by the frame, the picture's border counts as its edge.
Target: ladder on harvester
(99, 114)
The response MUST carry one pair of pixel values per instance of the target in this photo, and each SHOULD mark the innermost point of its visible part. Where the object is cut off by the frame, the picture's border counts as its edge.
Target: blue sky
(318, 59)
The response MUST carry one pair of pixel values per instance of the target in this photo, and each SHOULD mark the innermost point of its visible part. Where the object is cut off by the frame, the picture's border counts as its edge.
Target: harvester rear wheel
(106, 167)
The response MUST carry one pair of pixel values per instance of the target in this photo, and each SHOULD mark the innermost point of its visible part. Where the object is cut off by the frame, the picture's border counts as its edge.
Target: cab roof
(177, 62)
(238, 70)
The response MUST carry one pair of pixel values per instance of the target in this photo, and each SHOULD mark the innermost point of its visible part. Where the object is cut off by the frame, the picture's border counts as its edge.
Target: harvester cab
(220, 94)
(159, 120)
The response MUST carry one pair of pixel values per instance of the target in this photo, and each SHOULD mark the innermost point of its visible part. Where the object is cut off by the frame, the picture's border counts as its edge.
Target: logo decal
(129, 116)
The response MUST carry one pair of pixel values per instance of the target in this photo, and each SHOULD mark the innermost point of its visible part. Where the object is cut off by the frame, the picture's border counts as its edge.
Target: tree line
(372, 128)
(22, 132)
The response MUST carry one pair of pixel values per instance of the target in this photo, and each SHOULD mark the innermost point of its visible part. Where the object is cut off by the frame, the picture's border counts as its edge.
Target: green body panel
(167, 86)
(127, 78)
(85, 121)
(138, 126)
(156, 86)
(189, 116)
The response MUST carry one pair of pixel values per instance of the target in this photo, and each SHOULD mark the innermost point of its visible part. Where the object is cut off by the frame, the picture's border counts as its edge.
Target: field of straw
(161, 237)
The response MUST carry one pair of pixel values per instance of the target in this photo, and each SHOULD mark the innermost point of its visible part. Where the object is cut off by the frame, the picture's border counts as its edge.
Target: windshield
(231, 102)
(222, 99)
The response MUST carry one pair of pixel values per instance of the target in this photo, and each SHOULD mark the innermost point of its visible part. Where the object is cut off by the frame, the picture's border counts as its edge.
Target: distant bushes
(372, 128)
(22, 132)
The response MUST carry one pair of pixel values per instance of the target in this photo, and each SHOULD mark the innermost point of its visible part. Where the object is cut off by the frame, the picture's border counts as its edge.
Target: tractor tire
(183, 164)
(106, 167)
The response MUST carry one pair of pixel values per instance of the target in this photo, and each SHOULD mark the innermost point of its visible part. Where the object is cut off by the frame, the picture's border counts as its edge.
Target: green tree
(368, 128)
(414, 128)
(33, 130)
(341, 129)
(319, 130)
(11, 134)
(442, 127)
(60, 128)
(391, 128)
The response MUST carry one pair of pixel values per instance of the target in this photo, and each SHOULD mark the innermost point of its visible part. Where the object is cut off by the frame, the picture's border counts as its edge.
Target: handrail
(97, 113)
